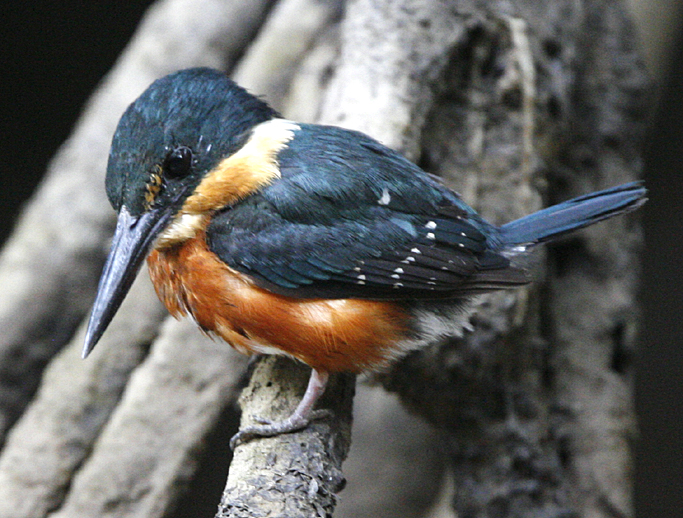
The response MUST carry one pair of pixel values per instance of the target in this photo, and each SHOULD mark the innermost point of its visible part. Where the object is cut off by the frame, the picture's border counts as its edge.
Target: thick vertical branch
(593, 317)
(537, 400)
(392, 56)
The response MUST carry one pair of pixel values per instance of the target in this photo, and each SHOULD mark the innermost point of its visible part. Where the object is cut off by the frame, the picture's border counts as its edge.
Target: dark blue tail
(580, 212)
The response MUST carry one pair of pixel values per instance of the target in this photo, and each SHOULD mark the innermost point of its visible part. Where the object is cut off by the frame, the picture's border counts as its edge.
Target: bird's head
(176, 134)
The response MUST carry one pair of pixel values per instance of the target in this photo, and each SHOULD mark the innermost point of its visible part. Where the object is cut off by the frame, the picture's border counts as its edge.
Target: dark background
(53, 55)
(659, 378)
(53, 58)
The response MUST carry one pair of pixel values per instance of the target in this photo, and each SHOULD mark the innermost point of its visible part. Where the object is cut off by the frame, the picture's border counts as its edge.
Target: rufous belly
(332, 335)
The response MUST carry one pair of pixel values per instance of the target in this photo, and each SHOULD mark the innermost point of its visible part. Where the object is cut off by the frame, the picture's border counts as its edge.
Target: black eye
(178, 162)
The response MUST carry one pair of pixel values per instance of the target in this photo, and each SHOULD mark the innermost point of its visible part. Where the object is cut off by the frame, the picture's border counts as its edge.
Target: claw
(273, 428)
(300, 418)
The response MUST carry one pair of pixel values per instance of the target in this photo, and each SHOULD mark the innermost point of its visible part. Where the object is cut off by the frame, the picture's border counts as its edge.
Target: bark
(152, 441)
(47, 446)
(296, 474)
(546, 101)
(515, 104)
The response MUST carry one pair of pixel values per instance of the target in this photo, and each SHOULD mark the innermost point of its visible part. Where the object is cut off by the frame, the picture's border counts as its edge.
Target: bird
(310, 241)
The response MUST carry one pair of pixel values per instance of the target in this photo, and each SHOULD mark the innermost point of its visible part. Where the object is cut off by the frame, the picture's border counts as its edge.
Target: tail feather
(574, 214)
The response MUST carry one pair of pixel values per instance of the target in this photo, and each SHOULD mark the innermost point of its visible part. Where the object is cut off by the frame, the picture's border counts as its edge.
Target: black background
(54, 55)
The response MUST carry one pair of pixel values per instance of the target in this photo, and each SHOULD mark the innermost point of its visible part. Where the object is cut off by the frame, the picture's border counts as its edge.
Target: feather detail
(331, 335)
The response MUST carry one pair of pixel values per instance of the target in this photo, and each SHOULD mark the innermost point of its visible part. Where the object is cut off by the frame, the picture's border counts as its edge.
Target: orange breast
(331, 335)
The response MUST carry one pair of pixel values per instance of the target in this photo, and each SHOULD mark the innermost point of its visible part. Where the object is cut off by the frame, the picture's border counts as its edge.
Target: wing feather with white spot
(350, 218)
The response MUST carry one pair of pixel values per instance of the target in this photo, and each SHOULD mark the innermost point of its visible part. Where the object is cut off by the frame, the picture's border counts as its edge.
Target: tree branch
(151, 443)
(54, 436)
(296, 474)
(253, 482)
(539, 419)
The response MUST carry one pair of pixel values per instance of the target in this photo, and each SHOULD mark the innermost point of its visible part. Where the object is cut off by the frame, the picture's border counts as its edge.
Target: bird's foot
(268, 428)
(300, 418)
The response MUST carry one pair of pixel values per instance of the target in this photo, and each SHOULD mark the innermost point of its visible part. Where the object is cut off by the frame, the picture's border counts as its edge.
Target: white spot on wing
(431, 225)
(386, 197)
(514, 250)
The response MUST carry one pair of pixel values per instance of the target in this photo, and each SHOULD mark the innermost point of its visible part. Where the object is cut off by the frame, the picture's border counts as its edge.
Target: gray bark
(515, 104)
(544, 101)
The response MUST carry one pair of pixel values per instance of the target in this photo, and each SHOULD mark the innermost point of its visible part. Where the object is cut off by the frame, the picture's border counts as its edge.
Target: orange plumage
(329, 335)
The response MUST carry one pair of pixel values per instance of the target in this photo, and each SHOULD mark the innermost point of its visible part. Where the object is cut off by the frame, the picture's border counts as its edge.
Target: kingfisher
(310, 241)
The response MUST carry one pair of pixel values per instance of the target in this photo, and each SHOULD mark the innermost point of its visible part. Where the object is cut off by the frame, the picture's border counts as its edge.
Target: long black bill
(133, 237)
